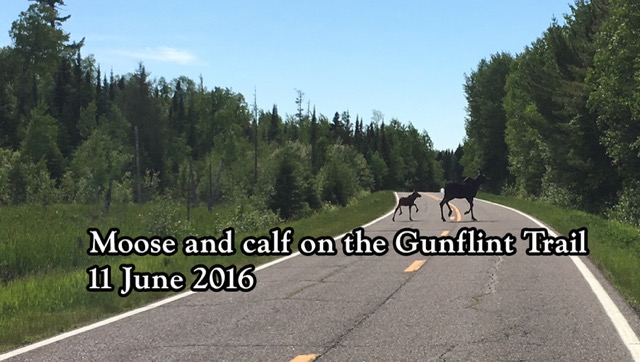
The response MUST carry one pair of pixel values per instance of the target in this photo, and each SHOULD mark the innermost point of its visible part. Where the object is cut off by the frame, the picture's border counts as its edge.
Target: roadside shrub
(167, 217)
(8, 160)
(41, 188)
(150, 185)
(627, 210)
(123, 189)
(555, 194)
(247, 219)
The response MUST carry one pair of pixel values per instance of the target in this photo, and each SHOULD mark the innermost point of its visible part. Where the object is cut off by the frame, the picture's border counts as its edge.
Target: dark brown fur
(407, 201)
(468, 189)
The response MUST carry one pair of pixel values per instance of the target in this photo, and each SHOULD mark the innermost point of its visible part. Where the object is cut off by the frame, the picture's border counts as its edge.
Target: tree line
(560, 121)
(71, 132)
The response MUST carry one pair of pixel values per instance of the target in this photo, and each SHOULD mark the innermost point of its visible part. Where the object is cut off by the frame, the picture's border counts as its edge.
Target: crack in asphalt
(449, 349)
(364, 318)
(490, 288)
(323, 280)
(493, 277)
(316, 282)
(325, 300)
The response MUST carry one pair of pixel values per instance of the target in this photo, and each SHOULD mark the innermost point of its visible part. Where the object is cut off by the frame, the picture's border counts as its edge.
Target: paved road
(365, 308)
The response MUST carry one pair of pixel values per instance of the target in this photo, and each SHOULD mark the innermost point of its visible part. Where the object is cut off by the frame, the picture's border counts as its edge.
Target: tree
(522, 135)
(104, 156)
(293, 189)
(315, 153)
(585, 175)
(615, 80)
(299, 100)
(142, 108)
(54, 4)
(41, 141)
(40, 43)
(547, 116)
(275, 135)
(9, 119)
(485, 147)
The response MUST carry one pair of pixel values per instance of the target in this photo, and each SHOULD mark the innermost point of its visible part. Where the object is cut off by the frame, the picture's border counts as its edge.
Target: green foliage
(151, 185)
(345, 173)
(41, 189)
(485, 146)
(339, 182)
(38, 44)
(8, 103)
(293, 191)
(379, 170)
(102, 158)
(355, 161)
(9, 160)
(524, 141)
(449, 161)
(615, 78)
(40, 141)
(247, 218)
(557, 195)
(627, 210)
(555, 147)
(87, 122)
(123, 189)
(167, 217)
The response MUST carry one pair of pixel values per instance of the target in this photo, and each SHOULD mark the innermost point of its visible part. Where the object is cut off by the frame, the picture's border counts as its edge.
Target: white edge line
(118, 317)
(628, 336)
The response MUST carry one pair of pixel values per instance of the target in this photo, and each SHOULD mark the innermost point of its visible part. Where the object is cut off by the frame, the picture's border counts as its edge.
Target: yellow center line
(445, 233)
(457, 211)
(458, 214)
(305, 358)
(415, 266)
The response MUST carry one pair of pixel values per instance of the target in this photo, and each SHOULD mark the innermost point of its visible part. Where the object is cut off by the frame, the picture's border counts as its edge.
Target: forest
(71, 132)
(560, 122)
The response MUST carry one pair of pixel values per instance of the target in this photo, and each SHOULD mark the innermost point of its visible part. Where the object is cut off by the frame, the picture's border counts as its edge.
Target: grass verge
(614, 247)
(52, 300)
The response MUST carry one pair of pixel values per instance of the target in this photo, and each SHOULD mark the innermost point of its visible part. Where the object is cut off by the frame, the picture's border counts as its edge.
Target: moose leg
(470, 200)
(445, 201)
(394, 213)
(416, 207)
(410, 213)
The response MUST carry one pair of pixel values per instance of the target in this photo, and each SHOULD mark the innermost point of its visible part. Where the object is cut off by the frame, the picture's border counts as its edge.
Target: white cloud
(163, 54)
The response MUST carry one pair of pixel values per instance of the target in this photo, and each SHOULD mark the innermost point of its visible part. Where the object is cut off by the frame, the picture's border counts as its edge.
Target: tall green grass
(614, 247)
(43, 256)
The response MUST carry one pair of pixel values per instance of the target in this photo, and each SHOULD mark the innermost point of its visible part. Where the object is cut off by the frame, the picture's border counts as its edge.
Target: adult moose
(407, 201)
(462, 190)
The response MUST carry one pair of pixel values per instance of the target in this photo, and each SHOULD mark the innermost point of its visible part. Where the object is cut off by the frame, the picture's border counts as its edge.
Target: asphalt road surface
(384, 308)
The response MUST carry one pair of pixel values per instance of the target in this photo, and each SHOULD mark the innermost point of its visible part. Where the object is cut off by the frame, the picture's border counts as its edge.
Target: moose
(407, 201)
(466, 189)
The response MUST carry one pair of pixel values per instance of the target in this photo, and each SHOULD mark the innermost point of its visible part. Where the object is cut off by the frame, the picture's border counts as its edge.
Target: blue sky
(406, 59)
